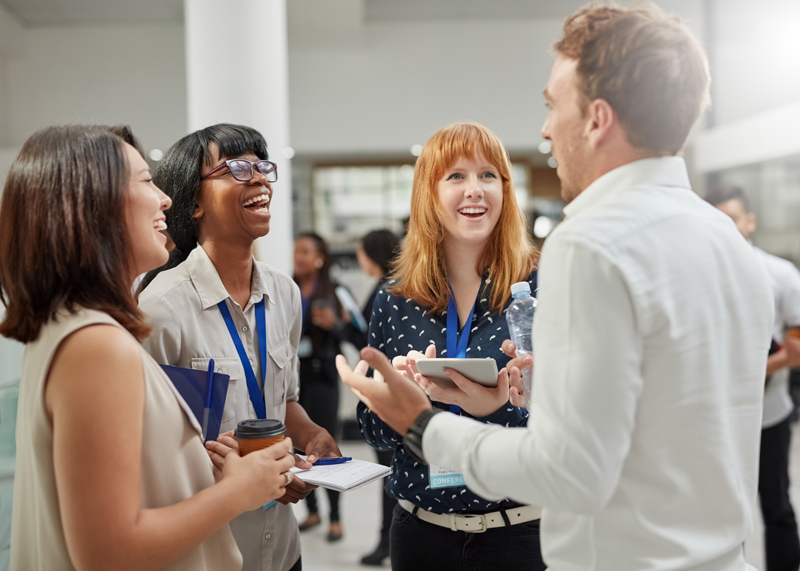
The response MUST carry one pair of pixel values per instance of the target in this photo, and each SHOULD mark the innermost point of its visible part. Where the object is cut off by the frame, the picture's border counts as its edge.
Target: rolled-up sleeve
(585, 390)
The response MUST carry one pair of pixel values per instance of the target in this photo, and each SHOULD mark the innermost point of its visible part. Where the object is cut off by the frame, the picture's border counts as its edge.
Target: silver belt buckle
(484, 523)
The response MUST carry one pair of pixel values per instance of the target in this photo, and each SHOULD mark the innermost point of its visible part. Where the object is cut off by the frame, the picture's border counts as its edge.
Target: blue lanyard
(256, 397)
(457, 344)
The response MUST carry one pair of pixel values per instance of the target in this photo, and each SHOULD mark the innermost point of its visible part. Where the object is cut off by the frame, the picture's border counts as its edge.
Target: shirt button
(268, 536)
(244, 328)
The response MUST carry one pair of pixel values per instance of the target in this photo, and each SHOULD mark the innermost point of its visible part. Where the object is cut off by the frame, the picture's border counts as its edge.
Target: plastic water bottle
(520, 324)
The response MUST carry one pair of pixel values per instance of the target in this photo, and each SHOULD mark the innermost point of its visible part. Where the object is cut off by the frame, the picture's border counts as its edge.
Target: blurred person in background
(466, 245)
(781, 542)
(206, 303)
(111, 472)
(651, 332)
(375, 254)
(323, 330)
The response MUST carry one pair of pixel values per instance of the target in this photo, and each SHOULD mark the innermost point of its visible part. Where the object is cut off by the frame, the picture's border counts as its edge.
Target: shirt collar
(209, 286)
(656, 171)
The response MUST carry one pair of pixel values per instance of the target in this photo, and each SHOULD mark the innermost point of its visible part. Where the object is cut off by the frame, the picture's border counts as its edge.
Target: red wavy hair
(509, 254)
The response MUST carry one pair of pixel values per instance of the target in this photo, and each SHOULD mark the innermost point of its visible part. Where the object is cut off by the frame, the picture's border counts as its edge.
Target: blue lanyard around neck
(256, 396)
(457, 344)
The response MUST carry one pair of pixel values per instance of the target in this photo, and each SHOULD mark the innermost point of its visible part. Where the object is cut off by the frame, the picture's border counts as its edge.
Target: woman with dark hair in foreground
(111, 470)
(213, 300)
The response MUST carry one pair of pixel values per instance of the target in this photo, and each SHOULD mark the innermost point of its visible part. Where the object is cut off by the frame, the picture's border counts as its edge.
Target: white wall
(103, 74)
(381, 87)
(355, 86)
(756, 56)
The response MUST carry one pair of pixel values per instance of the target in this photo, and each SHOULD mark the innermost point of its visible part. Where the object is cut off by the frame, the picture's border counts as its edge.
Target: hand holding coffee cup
(260, 476)
(257, 434)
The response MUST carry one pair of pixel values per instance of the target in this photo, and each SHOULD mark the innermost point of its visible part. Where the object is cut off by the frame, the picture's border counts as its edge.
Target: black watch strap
(413, 438)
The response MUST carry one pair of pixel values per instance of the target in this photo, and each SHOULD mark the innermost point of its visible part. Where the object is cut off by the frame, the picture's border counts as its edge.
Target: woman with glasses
(111, 472)
(213, 300)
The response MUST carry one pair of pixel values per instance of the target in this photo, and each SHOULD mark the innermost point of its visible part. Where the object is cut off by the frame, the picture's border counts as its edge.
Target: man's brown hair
(646, 65)
(63, 242)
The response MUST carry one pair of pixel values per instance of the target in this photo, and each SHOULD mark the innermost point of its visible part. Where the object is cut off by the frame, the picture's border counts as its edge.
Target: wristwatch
(413, 438)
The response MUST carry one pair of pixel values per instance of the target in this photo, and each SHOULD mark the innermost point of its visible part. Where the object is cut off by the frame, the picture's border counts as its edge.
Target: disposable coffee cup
(257, 433)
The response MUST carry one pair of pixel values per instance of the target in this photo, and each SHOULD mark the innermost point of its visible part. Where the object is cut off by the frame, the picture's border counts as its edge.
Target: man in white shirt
(651, 335)
(781, 542)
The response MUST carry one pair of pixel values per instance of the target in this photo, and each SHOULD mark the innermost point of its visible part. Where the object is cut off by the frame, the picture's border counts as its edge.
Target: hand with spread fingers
(390, 394)
(514, 367)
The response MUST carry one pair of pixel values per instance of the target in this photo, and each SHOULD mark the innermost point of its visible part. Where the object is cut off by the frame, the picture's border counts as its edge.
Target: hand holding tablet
(481, 371)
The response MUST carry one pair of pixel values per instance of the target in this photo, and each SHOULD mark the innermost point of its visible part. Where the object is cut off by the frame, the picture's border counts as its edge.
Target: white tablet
(481, 371)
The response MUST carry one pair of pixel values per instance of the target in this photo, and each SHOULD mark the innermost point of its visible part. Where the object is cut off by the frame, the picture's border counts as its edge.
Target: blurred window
(348, 202)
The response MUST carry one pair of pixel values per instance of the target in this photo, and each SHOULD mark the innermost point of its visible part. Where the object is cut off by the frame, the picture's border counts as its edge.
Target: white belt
(474, 523)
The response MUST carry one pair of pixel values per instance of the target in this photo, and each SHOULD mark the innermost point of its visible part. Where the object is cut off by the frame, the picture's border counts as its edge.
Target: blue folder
(193, 386)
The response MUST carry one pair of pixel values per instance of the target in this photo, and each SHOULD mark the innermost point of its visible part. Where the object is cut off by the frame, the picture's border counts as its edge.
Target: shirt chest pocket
(281, 355)
(232, 368)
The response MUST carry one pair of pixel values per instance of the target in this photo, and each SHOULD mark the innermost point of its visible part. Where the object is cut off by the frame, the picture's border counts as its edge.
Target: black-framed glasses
(243, 170)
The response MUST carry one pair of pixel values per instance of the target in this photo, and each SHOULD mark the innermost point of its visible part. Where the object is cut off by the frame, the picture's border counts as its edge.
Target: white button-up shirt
(188, 330)
(785, 281)
(650, 340)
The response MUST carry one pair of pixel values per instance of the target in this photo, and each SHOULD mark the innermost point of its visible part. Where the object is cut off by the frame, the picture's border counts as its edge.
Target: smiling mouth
(472, 212)
(258, 203)
(160, 225)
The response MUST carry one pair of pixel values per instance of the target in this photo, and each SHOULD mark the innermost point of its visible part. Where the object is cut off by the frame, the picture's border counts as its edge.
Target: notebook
(344, 477)
(193, 386)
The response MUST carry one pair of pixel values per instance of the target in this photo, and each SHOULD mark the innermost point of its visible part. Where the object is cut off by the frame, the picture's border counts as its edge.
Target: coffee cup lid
(259, 428)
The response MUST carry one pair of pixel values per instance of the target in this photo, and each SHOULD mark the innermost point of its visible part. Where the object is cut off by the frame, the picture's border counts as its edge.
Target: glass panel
(348, 202)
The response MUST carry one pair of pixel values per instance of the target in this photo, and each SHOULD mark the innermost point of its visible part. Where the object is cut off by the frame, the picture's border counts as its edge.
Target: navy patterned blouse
(397, 326)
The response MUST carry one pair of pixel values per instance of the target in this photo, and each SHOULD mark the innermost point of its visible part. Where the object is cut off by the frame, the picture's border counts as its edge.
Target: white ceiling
(391, 10)
(128, 12)
(78, 12)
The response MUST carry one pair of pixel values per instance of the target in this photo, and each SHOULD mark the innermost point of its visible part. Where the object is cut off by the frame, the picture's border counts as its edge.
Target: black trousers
(418, 545)
(781, 542)
(297, 566)
(320, 399)
(387, 503)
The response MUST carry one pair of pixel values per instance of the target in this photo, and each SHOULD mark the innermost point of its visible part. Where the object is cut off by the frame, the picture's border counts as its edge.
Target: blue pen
(332, 461)
(209, 392)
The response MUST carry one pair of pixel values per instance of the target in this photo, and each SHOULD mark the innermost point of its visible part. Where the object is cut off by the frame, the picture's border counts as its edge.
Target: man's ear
(601, 121)
(751, 223)
(198, 212)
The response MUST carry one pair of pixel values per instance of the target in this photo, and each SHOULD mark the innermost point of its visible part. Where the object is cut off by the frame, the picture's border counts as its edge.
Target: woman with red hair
(466, 244)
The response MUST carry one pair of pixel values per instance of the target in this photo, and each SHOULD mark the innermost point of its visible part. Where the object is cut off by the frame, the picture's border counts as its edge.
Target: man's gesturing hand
(393, 397)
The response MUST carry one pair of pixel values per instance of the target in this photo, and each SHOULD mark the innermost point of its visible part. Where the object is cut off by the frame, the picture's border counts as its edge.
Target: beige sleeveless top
(175, 465)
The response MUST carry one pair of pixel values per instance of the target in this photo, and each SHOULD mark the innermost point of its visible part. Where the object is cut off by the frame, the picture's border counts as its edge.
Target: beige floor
(360, 517)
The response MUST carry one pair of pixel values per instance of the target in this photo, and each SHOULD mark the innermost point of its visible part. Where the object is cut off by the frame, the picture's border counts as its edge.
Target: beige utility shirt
(188, 330)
